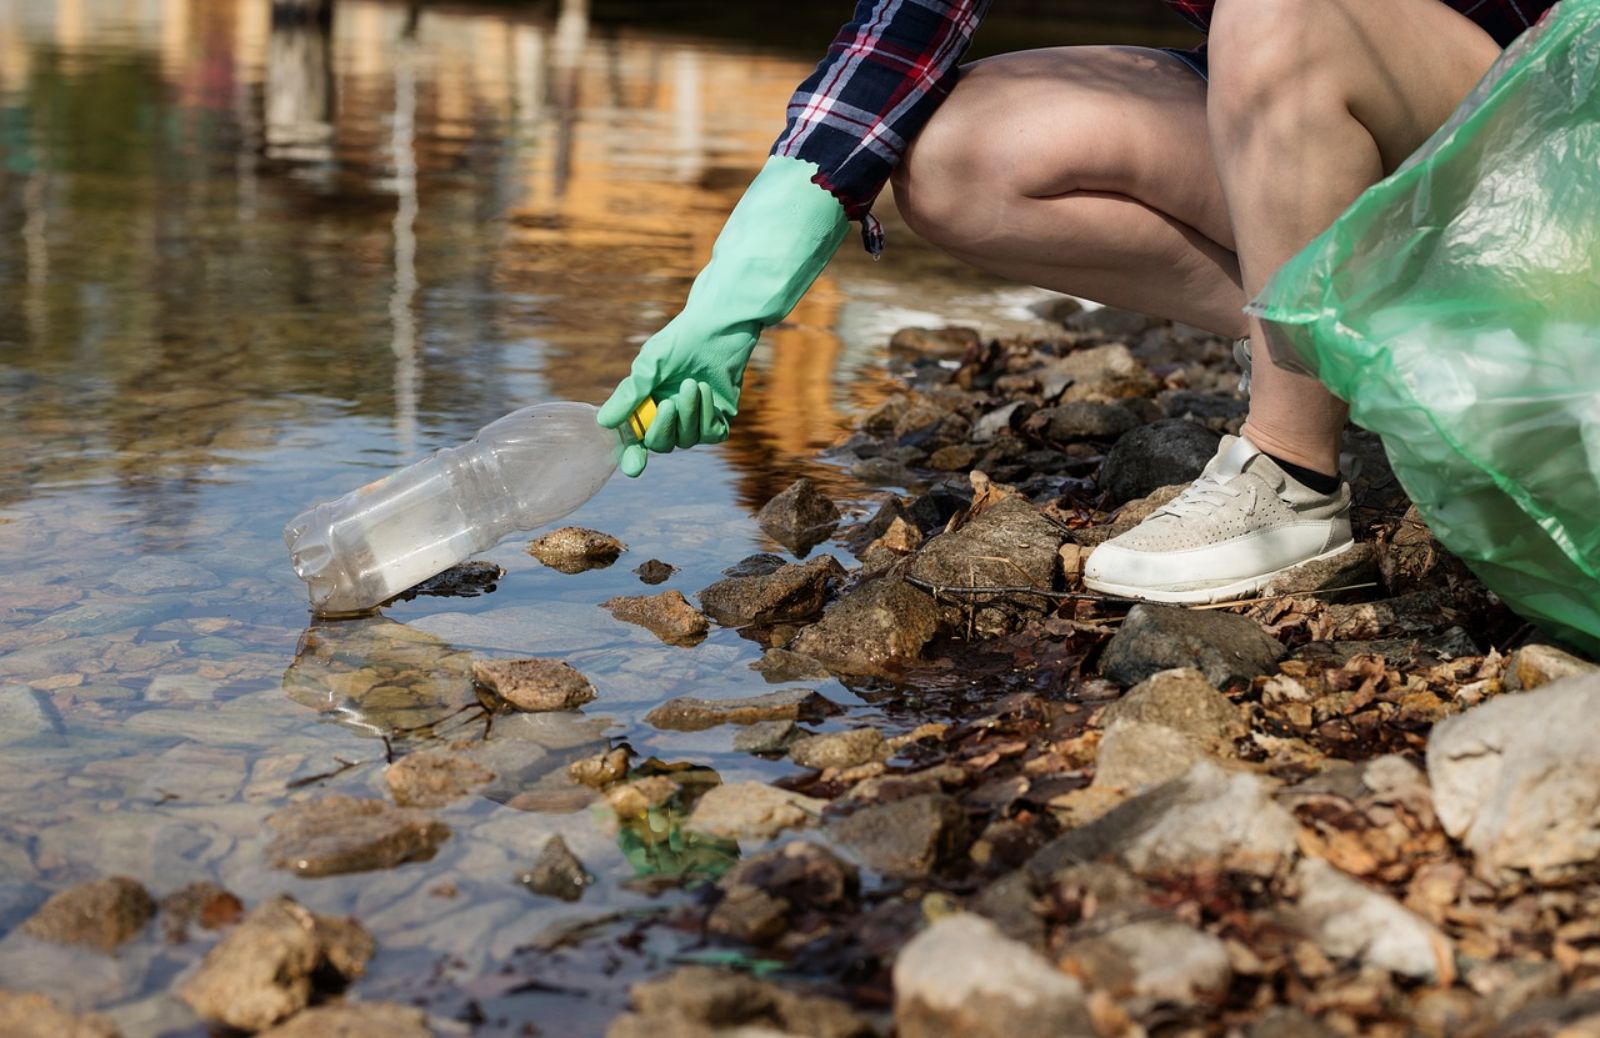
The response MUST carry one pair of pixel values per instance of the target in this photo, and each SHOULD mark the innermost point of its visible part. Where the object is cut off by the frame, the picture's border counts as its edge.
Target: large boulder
(1517, 781)
(1226, 648)
(875, 630)
(963, 977)
(788, 594)
(1173, 450)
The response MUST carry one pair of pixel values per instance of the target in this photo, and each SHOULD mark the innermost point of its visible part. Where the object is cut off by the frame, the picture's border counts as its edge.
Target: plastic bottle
(524, 470)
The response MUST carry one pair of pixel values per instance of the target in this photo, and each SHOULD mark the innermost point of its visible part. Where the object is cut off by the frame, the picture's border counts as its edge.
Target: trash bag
(1456, 308)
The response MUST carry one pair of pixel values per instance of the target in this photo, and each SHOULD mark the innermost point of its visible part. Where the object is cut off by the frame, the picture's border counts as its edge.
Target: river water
(246, 268)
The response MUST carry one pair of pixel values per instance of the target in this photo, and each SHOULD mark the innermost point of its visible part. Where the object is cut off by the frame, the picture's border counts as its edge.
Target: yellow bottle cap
(641, 418)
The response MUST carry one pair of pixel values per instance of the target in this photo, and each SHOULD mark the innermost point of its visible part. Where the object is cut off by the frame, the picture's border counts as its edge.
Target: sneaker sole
(1207, 595)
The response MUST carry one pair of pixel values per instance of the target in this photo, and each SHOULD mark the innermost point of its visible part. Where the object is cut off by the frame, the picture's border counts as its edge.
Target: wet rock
(752, 810)
(668, 616)
(1208, 819)
(767, 737)
(697, 1001)
(934, 343)
(1134, 756)
(155, 573)
(273, 963)
(200, 903)
(601, 770)
(1536, 665)
(463, 580)
(881, 472)
(839, 749)
(573, 549)
(534, 685)
(30, 1015)
(654, 571)
(1349, 920)
(906, 839)
(962, 977)
(787, 594)
(434, 777)
(337, 834)
(901, 537)
(689, 714)
(1157, 455)
(761, 894)
(1083, 420)
(635, 799)
(799, 518)
(355, 1020)
(929, 427)
(1150, 963)
(1009, 544)
(98, 915)
(780, 665)
(1351, 568)
(1181, 699)
(872, 631)
(1211, 409)
(757, 565)
(956, 458)
(1224, 647)
(557, 872)
(1517, 781)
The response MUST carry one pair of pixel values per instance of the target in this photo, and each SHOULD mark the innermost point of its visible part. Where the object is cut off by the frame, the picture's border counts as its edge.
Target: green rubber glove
(781, 234)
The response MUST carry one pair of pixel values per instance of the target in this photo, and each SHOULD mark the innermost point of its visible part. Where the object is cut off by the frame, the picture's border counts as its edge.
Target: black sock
(1309, 478)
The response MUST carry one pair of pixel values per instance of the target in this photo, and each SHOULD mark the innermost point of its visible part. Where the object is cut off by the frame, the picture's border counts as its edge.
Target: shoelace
(1204, 496)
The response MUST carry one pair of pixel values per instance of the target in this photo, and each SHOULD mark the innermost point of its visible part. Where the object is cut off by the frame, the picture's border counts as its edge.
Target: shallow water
(246, 269)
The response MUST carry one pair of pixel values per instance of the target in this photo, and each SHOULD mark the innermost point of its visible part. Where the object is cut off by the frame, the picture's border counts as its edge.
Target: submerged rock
(752, 809)
(1208, 819)
(1517, 781)
(1157, 455)
(839, 749)
(601, 770)
(463, 580)
(800, 518)
(699, 1000)
(573, 549)
(962, 977)
(689, 714)
(273, 963)
(874, 630)
(787, 594)
(767, 737)
(557, 872)
(30, 1015)
(1224, 647)
(1349, 920)
(434, 777)
(355, 1020)
(906, 839)
(98, 915)
(201, 903)
(760, 894)
(668, 616)
(534, 685)
(337, 834)
(654, 571)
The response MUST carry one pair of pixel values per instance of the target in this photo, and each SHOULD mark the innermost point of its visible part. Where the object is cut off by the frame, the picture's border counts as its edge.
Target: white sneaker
(1240, 524)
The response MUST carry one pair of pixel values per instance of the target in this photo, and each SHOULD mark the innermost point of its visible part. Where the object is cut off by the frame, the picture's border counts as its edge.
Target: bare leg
(1310, 103)
(1083, 169)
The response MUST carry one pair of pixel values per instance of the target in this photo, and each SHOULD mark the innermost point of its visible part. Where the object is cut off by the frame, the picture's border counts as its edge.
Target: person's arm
(848, 126)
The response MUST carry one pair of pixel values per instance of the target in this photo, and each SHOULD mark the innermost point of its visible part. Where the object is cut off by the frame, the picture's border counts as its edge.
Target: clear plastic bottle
(524, 470)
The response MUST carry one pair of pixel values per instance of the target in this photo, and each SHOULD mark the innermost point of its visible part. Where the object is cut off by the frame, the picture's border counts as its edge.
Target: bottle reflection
(299, 85)
(402, 315)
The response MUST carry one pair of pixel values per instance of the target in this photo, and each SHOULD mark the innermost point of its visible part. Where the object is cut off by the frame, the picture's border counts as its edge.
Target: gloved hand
(779, 237)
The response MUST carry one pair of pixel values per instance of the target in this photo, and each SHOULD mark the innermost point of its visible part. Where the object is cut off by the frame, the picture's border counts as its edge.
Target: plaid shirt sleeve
(883, 76)
(1505, 20)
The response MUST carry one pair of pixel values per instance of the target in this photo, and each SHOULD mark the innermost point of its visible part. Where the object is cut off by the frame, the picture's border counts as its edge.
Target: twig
(344, 766)
(997, 589)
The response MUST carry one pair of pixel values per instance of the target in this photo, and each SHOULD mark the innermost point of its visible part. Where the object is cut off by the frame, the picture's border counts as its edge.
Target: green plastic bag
(1456, 307)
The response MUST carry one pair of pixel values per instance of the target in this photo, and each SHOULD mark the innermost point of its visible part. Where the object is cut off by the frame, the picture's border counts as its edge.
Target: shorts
(1195, 58)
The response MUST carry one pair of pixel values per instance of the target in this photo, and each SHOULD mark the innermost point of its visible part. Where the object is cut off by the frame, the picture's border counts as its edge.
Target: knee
(965, 163)
(1264, 54)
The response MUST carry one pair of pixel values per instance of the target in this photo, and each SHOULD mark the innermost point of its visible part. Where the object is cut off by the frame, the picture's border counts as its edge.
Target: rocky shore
(1366, 802)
